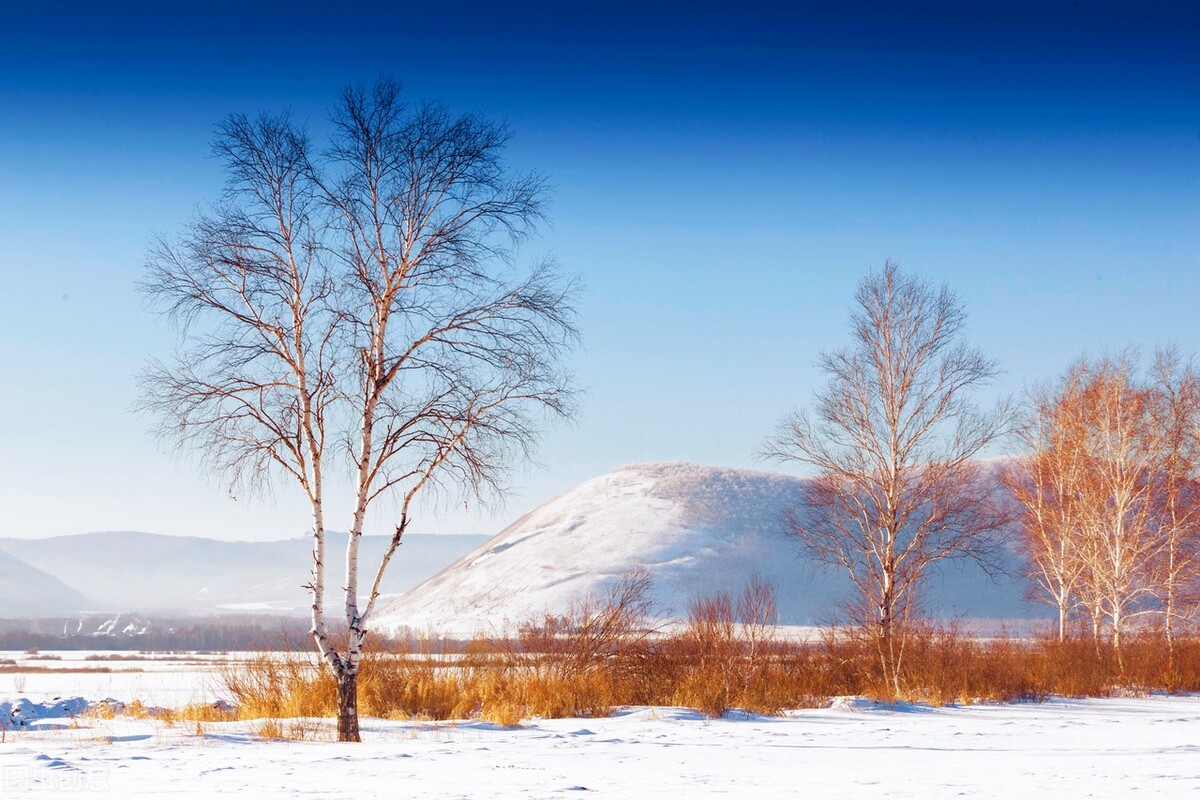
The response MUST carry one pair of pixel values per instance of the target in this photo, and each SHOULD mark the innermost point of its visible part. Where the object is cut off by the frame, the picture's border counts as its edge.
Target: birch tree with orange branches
(1109, 491)
(1175, 414)
(1048, 487)
(1123, 456)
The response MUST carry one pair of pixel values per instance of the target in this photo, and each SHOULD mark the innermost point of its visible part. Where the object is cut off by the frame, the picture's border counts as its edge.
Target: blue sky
(724, 174)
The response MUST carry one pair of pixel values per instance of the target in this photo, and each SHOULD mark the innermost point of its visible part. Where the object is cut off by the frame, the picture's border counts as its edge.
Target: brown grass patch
(603, 654)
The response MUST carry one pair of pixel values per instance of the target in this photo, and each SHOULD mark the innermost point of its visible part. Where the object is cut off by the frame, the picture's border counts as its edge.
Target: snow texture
(23, 714)
(1111, 748)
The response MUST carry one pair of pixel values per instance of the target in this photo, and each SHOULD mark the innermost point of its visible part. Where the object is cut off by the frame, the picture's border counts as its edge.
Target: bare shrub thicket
(727, 656)
(584, 661)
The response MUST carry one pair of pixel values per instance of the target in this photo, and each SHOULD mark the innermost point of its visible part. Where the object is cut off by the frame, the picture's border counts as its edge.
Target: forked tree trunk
(347, 689)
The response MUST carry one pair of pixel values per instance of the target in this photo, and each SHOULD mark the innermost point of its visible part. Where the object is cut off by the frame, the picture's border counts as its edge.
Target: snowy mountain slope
(128, 571)
(697, 529)
(25, 590)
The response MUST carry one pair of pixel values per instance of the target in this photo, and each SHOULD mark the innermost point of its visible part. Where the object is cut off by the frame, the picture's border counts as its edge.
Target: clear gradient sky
(725, 173)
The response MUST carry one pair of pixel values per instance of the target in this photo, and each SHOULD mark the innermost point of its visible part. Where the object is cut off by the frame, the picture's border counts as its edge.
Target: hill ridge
(697, 528)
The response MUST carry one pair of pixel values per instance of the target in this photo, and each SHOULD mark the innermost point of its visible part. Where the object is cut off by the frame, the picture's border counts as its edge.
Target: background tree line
(1109, 497)
(1103, 501)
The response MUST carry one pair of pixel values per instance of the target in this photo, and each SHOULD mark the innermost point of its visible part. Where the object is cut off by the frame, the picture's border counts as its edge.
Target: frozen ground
(159, 679)
(1118, 748)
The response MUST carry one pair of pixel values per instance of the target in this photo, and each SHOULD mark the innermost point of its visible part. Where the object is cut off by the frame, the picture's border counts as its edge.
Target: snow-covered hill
(129, 571)
(697, 529)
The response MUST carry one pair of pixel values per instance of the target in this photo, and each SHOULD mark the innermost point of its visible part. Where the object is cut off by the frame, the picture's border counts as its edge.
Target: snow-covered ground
(1118, 748)
(160, 679)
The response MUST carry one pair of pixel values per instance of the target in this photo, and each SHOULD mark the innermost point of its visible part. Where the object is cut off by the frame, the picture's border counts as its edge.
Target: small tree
(893, 439)
(355, 309)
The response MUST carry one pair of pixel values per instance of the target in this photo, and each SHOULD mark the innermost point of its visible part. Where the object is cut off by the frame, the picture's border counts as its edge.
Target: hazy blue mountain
(26, 590)
(132, 571)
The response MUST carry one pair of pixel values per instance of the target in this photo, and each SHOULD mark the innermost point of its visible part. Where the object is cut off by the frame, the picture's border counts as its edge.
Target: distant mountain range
(145, 572)
(698, 530)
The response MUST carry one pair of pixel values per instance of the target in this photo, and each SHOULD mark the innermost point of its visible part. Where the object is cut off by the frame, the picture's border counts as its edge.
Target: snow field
(1103, 748)
(155, 679)
(1118, 748)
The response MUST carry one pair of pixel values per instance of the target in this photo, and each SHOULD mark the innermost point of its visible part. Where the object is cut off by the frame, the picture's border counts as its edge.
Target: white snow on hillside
(698, 530)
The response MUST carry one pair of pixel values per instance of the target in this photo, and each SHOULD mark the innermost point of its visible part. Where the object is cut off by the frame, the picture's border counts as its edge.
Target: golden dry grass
(603, 655)
(711, 671)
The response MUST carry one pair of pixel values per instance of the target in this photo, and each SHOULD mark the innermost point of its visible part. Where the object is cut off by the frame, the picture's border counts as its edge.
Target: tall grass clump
(274, 685)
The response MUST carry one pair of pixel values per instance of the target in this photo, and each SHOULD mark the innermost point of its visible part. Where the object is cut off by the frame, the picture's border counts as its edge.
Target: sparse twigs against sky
(893, 438)
(356, 309)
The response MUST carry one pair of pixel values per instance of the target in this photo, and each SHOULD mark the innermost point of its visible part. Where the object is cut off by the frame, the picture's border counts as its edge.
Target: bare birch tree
(1048, 484)
(893, 438)
(1106, 491)
(355, 310)
(1175, 414)
(1123, 459)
